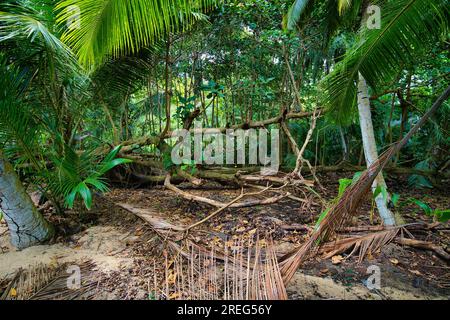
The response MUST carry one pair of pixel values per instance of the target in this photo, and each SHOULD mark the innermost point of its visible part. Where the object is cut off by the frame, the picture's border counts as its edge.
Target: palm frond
(407, 29)
(112, 28)
(344, 5)
(18, 129)
(295, 13)
(76, 173)
(19, 26)
(362, 245)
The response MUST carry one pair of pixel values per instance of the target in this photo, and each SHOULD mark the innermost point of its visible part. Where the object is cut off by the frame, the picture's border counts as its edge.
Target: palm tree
(26, 224)
(408, 28)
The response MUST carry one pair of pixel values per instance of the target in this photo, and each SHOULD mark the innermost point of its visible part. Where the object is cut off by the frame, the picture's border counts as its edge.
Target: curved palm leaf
(408, 28)
(112, 28)
(294, 14)
(25, 25)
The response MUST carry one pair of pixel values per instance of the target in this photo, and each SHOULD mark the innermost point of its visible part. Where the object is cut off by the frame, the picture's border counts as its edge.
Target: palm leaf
(408, 28)
(295, 13)
(23, 25)
(113, 28)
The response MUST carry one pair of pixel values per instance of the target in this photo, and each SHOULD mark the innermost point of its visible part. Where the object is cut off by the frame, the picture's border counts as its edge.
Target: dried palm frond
(246, 271)
(46, 282)
(361, 244)
(342, 211)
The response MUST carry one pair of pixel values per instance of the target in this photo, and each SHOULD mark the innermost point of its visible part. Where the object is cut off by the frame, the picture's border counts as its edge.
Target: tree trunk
(26, 225)
(370, 148)
(344, 145)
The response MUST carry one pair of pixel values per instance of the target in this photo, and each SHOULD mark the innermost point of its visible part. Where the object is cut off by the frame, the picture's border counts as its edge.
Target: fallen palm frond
(362, 245)
(44, 282)
(247, 271)
(341, 212)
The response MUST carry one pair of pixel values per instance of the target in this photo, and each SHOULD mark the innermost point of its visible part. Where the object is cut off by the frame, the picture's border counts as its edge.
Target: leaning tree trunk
(26, 225)
(370, 148)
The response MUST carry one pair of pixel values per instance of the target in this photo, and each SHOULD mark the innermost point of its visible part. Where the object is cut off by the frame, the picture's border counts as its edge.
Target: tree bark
(370, 149)
(26, 225)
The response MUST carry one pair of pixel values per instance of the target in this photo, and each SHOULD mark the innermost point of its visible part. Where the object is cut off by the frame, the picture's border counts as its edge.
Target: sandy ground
(99, 244)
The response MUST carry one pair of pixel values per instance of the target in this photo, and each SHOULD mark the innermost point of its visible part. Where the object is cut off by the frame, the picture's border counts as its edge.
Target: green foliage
(295, 12)
(76, 174)
(190, 168)
(408, 27)
(442, 215)
(185, 108)
(380, 190)
(343, 185)
(114, 28)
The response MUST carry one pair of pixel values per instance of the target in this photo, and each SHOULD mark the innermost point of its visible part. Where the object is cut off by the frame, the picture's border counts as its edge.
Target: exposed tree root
(425, 246)
(218, 204)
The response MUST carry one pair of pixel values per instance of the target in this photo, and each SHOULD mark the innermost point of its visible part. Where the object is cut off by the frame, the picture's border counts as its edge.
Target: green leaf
(70, 198)
(395, 198)
(321, 217)
(113, 163)
(294, 14)
(343, 185)
(99, 185)
(356, 176)
(442, 215)
(86, 194)
(426, 208)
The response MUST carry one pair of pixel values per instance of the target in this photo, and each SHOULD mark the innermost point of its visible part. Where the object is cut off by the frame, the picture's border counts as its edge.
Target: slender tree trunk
(26, 225)
(370, 148)
(344, 145)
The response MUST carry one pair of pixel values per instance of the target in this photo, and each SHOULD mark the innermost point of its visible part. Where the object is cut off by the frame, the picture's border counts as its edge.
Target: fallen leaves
(394, 261)
(337, 259)
(13, 292)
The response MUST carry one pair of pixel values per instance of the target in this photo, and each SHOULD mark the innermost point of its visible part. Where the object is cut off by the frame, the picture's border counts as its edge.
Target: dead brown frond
(247, 270)
(362, 245)
(338, 216)
(44, 282)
